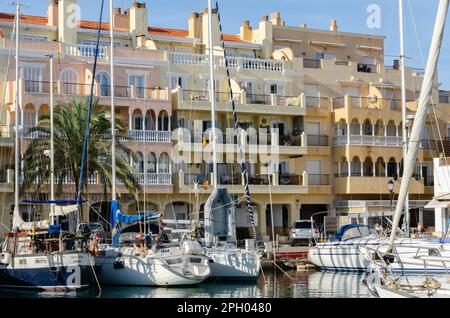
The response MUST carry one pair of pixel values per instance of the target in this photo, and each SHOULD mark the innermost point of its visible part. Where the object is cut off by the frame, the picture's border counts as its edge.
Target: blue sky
(351, 16)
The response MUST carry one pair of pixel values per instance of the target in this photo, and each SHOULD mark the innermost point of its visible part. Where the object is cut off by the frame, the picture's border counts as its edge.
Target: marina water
(272, 285)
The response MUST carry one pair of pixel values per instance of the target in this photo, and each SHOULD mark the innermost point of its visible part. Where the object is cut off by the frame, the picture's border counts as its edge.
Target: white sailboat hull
(234, 264)
(152, 270)
(351, 255)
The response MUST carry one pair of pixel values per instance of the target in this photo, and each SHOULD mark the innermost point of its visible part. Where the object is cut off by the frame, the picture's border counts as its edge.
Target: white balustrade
(155, 178)
(85, 50)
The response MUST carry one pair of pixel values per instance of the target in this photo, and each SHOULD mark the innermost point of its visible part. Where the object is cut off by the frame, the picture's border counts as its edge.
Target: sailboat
(382, 281)
(227, 261)
(37, 255)
(144, 262)
(355, 246)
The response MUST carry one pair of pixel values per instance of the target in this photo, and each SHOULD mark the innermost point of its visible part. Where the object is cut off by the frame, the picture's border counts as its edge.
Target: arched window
(380, 167)
(355, 167)
(29, 116)
(379, 128)
(137, 120)
(104, 83)
(150, 120)
(163, 121)
(367, 128)
(344, 167)
(392, 168)
(151, 163)
(355, 127)
(163, 165)
(368, 167)
(69, 80)
(138, 163)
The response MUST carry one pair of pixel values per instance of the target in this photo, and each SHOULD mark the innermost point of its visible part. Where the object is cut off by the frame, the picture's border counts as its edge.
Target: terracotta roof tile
(27, 19)
(168, 32)
(31, 19)
(232, 38)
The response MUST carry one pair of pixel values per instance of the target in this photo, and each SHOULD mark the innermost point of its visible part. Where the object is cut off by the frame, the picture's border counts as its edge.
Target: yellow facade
(334, 102)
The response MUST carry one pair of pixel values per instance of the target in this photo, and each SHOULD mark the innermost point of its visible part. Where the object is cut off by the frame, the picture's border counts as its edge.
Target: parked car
(303, 231)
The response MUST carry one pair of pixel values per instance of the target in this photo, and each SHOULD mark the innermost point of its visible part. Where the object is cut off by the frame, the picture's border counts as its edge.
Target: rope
(236, 127)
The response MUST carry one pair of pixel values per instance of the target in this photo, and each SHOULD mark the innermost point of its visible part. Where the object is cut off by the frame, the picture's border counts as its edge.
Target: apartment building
(328, 94)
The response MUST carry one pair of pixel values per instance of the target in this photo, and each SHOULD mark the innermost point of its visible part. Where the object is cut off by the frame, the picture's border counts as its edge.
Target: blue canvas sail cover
(123, 218)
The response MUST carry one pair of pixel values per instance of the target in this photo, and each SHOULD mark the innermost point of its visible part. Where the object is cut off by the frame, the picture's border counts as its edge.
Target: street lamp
(391, 191)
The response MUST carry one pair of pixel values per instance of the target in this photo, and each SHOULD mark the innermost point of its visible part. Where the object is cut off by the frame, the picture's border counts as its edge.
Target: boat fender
(118, 263)
(6, 258)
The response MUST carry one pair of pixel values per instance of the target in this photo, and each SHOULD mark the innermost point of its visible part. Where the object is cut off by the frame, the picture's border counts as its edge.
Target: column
(385, 169)
(170, 123)
(349, 168)
(339, 168)
(385, 135)
(374, 168)
(261, 228)
(362, 168)
(348, 133)
(373, 130)
(398, 168)
(440, 221)
(130, 119)
(361, 129)
(421, 215)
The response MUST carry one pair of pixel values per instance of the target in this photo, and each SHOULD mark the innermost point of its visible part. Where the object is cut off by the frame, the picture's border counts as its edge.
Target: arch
(43, 109)
(138, 162)
(70, 81)
(391, 129)
(344, 167)
(150, 120)
(368, 167)
(392, 168)
(380, 167)
(163, 121)
(355, 166)
(138, 119)
(355, 127)
(342, 128)
(104, 81)
(29, 115)
(367, 127)
(151, 163)
(164, 163)
(379, 128)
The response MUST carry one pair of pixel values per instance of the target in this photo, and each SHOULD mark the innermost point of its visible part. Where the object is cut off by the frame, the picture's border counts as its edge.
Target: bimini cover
(152, 228)
(220, 217)
(350, 231)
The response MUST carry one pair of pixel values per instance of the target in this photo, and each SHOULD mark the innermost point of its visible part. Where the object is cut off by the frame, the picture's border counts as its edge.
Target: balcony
(149, 135)
(85, 50)
(370, 140)
(258, 183)
(37, 92)
(357, 183)
(245, 103)
(259, 144)
(155, 178)
(240, 63)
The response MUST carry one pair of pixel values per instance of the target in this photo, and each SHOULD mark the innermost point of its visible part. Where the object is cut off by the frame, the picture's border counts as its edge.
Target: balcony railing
(259, 99)
(368, 140)
(233, 62)
(86, 50)
(318, 179)
(155, 178)
(149, 135)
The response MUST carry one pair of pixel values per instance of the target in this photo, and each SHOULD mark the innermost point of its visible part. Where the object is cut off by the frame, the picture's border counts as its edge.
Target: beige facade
(334, 102)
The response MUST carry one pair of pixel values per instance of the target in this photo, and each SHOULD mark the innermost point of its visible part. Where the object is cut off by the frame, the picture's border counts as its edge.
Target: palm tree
(69, 121)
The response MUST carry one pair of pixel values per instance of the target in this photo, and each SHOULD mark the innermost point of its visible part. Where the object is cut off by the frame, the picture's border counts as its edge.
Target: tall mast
(17, 110)
(212, 94)
(403, 97)
(113, 111)
(421, 114)
(52, 148)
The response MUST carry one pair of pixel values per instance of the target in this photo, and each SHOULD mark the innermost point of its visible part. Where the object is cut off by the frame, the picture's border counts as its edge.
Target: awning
(330, 44)
(288, 40)
(62, 210)
(433, 204)
(370, 48)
